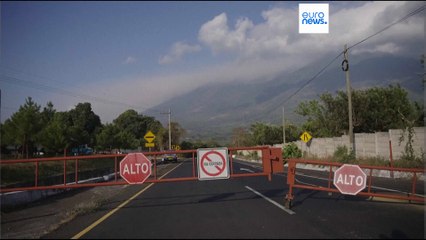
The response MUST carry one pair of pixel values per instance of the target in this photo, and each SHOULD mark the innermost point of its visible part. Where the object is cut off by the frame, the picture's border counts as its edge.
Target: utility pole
(283, 127)
(170, 128)
(345, 68)
(0, 124)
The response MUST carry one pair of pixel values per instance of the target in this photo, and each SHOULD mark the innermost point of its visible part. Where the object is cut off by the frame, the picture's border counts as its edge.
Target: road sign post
(350, 179)
(213, 163)
(135, 168)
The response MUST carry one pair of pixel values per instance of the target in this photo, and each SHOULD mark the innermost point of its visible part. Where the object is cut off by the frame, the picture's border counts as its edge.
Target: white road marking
(246, 169)
(271, 201)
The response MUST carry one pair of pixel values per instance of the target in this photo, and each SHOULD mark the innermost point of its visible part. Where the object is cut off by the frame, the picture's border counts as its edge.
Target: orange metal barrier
(291, 177)
(271, 159)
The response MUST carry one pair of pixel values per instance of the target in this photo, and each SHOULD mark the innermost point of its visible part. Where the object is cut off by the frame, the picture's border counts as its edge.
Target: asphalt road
(249, 207)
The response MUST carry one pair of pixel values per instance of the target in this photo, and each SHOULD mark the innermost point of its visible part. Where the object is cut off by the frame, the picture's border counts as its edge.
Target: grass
(373, 161)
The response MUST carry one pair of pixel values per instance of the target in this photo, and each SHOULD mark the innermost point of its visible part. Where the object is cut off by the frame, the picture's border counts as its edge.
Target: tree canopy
(374, 110)
(55, 132)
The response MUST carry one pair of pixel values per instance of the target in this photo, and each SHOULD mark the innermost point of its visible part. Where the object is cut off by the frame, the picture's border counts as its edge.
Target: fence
(69, 168)
(367, 144)
(411, 193)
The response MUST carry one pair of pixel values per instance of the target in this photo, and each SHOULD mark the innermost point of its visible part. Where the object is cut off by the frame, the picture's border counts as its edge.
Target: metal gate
(70, 169)
(328, 186)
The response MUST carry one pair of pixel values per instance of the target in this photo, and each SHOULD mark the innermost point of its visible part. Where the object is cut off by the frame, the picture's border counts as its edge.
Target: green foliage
(135, 126)
(343, 155)
(291, 151)
(55, 135)
(83, 124)
(416, 162)
(57, 131)
(177, 133)
(23, 127)
(241, 137)
(374, 109)
(266, 134)
(108, 137)
(292, 132)
(373, 161)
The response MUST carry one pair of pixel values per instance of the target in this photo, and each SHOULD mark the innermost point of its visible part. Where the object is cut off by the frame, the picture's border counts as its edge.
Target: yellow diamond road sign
(306, 137)
(149, 137)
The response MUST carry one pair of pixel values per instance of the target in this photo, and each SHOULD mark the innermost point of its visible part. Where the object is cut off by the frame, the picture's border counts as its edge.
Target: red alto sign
(350, 179)
(135, 168)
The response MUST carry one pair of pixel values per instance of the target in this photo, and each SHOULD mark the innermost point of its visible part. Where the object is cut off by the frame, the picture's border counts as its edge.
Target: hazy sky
(121, 55)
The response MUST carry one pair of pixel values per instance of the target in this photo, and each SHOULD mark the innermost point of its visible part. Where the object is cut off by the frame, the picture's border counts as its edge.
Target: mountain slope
(212, 111)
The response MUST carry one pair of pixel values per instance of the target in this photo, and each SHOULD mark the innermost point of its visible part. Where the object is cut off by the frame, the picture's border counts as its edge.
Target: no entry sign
(213, 163)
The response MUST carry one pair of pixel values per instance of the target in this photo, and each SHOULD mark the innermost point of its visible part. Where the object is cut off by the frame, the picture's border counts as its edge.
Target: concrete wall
(367, 144)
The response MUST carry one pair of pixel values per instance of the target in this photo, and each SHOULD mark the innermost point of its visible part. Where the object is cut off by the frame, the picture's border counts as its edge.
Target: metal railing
(411, 195)
(271, 160)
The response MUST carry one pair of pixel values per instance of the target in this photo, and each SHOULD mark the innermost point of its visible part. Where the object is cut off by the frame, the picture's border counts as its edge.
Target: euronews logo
(313, 18)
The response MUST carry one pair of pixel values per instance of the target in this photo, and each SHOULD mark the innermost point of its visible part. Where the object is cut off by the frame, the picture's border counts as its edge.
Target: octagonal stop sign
(350, 179)
(135, 168)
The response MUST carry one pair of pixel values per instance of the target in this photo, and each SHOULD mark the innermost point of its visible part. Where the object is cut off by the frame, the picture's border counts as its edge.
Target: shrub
(343, 155)
(291, 151)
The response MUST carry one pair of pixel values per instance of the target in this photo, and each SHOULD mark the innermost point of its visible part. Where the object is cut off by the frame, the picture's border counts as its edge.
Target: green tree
(291, 151)
(138, 125)
(84, 125)
(177, 134)
(292, 132)
(126, 140)
(241, 137)
(55, 136)
(378, 109)
(106, 138)
(24, 126)
(374, 109)
(47, 114)
(266, 134)
(112, 137)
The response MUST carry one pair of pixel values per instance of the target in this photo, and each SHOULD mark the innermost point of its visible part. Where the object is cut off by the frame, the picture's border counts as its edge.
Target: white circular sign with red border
(213, 163)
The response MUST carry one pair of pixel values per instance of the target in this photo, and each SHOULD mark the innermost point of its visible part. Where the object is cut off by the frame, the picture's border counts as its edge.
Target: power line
(313, 78)
(31, 84)
(416, 11)
(46, 79)
(41, 86)
(46, 88)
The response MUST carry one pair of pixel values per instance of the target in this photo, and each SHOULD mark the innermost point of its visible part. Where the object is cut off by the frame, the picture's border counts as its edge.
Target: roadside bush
(343, 155)
(416, 162)
(291, 151)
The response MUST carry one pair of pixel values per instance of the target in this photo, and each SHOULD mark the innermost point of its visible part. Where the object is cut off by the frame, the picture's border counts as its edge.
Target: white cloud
(216, 34)
(390, 48)
(266, 49)
(130, 60)
(178, 50)
(277, 35)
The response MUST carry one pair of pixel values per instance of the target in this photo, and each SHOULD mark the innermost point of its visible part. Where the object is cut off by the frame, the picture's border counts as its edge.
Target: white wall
(367, 144)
